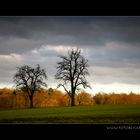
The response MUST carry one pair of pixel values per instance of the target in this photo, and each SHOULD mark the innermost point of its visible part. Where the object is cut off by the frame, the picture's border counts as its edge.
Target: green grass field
(78, 114)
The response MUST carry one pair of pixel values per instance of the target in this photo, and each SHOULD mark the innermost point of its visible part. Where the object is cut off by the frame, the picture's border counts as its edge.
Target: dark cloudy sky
(110, 43)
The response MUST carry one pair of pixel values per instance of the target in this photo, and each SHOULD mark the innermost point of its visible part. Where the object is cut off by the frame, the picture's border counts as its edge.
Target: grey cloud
(114, 55)
(80, 31)
(107, 75)
(18, 45)
(111, 44)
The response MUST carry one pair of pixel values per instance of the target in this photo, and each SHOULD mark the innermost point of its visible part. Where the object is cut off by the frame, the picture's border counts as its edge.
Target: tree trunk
(31, 102)
(72, 100)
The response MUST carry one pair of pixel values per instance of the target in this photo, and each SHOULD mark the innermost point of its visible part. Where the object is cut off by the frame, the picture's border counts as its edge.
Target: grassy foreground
(77, 114)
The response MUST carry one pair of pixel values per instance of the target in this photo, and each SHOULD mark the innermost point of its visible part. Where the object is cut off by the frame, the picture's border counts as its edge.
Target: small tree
(29, 80)
(84, 98)
(71, 73)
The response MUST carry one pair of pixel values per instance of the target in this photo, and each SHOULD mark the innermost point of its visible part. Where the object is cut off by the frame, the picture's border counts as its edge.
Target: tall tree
(29, 80)
(71, 72)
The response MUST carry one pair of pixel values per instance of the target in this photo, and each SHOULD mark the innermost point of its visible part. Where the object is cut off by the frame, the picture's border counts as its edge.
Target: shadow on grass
(85, 120)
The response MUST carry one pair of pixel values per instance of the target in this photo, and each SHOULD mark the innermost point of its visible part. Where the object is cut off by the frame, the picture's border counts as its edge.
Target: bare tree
(29, 80)
(71, 72)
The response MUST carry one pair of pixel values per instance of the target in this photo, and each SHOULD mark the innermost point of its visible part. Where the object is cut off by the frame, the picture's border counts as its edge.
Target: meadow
(96, 114)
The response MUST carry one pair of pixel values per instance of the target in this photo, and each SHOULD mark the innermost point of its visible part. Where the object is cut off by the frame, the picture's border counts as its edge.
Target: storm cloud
(79, 31)
(110, 43)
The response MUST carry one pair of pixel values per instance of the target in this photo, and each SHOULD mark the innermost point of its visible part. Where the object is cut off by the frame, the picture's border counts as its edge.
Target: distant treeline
(51, 97)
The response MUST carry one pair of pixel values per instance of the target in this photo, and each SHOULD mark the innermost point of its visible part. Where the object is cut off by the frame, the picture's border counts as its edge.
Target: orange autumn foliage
(51, 97)
(115, 98)
(84, 98)
(42, 98)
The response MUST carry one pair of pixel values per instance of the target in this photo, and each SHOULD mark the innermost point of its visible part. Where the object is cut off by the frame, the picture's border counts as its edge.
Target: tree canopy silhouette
(71, 72)
(29, 80)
